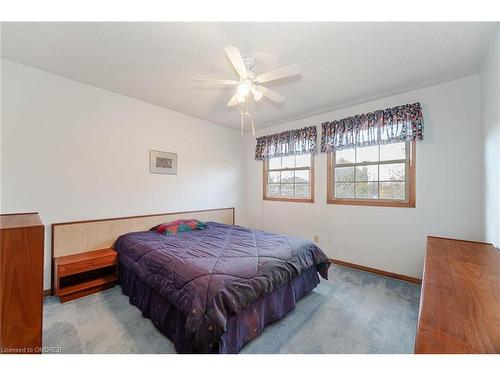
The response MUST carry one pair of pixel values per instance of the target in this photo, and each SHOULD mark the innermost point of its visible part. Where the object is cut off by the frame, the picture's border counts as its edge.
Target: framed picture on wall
(162, 162)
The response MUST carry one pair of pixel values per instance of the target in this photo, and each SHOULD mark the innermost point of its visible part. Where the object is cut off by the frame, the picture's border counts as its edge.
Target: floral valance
(392, 125)
(291, 142)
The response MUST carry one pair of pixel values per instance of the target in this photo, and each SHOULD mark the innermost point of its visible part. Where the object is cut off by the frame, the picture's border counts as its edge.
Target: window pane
(273, 190)
(369, 153)
(303, 160)
(369, 177)
(285, 181)
(274, 177)
(395, 151)
(345, 156)
(392, 172)
(367, 190)
(392, 190)
(275, 163)
(288, 161)
(287, 177)
(287, 190)
(344, 174)
(367, 173)
(302, 190)
(344, 190)
(302, 176)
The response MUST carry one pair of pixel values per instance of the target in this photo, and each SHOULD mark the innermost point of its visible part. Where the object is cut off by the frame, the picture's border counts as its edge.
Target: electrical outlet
(316, 238)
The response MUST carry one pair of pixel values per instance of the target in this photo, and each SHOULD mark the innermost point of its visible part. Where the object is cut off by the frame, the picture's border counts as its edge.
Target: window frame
(288, 199)
(409, 202)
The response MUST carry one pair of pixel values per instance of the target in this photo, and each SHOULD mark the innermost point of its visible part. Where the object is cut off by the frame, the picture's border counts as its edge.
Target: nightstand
(79, 275)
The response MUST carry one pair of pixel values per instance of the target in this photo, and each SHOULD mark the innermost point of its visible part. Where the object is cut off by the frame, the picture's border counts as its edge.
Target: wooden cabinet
(79, 275)
(21, 283)
(460, 298)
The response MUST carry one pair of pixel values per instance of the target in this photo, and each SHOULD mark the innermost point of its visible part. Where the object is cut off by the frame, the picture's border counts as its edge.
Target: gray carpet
(353, 312)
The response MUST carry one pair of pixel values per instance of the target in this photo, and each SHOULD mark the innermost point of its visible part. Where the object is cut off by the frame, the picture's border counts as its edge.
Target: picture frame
(161, 162)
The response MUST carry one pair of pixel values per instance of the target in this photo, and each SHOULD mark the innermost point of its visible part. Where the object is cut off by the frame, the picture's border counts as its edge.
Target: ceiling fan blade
(234, 100)
(216, 81)
(234, 55)
(286, 71)
(273, 95)
(257, 94)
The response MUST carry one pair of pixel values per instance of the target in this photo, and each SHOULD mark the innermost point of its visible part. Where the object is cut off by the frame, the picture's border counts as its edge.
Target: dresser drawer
(86, 265)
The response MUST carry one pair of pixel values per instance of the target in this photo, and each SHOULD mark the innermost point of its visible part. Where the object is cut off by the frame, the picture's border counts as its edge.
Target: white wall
(72, 151)
(392, 239)
(490, 121)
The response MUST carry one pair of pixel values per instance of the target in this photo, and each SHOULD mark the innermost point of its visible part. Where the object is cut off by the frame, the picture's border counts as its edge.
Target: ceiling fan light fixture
(243, 89)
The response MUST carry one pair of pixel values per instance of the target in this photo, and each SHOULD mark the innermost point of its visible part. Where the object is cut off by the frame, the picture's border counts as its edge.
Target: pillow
(178, 226)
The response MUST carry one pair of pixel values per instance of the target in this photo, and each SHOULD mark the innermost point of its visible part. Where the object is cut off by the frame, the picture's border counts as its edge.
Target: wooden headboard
(82, 236)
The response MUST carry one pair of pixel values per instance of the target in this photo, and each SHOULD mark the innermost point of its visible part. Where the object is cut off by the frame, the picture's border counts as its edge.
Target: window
(382, 175)
(289, 178)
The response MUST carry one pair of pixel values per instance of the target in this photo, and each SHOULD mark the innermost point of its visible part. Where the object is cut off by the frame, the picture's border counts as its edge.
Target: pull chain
(245, 113)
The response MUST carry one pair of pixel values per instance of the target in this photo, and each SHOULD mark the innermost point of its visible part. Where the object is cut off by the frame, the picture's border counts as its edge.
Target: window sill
(375, 203)
(297, 200)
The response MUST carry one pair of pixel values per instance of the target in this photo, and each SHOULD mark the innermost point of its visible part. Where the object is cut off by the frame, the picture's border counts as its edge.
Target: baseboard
(47, 293)
(377, 271)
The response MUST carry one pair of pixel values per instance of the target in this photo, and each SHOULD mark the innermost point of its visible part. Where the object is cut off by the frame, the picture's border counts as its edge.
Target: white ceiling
(343, 63)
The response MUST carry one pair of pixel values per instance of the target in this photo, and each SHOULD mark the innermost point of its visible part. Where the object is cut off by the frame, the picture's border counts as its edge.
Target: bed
(213, 290)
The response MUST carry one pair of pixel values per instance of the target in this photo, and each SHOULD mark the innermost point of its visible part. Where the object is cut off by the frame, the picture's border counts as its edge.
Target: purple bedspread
(213, 274)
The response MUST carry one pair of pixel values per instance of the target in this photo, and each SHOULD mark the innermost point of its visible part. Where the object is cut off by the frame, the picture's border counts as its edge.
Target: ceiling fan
(249, 82)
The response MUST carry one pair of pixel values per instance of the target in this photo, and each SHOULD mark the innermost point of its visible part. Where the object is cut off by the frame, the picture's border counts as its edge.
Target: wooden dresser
(460, 298)
(21, 283)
